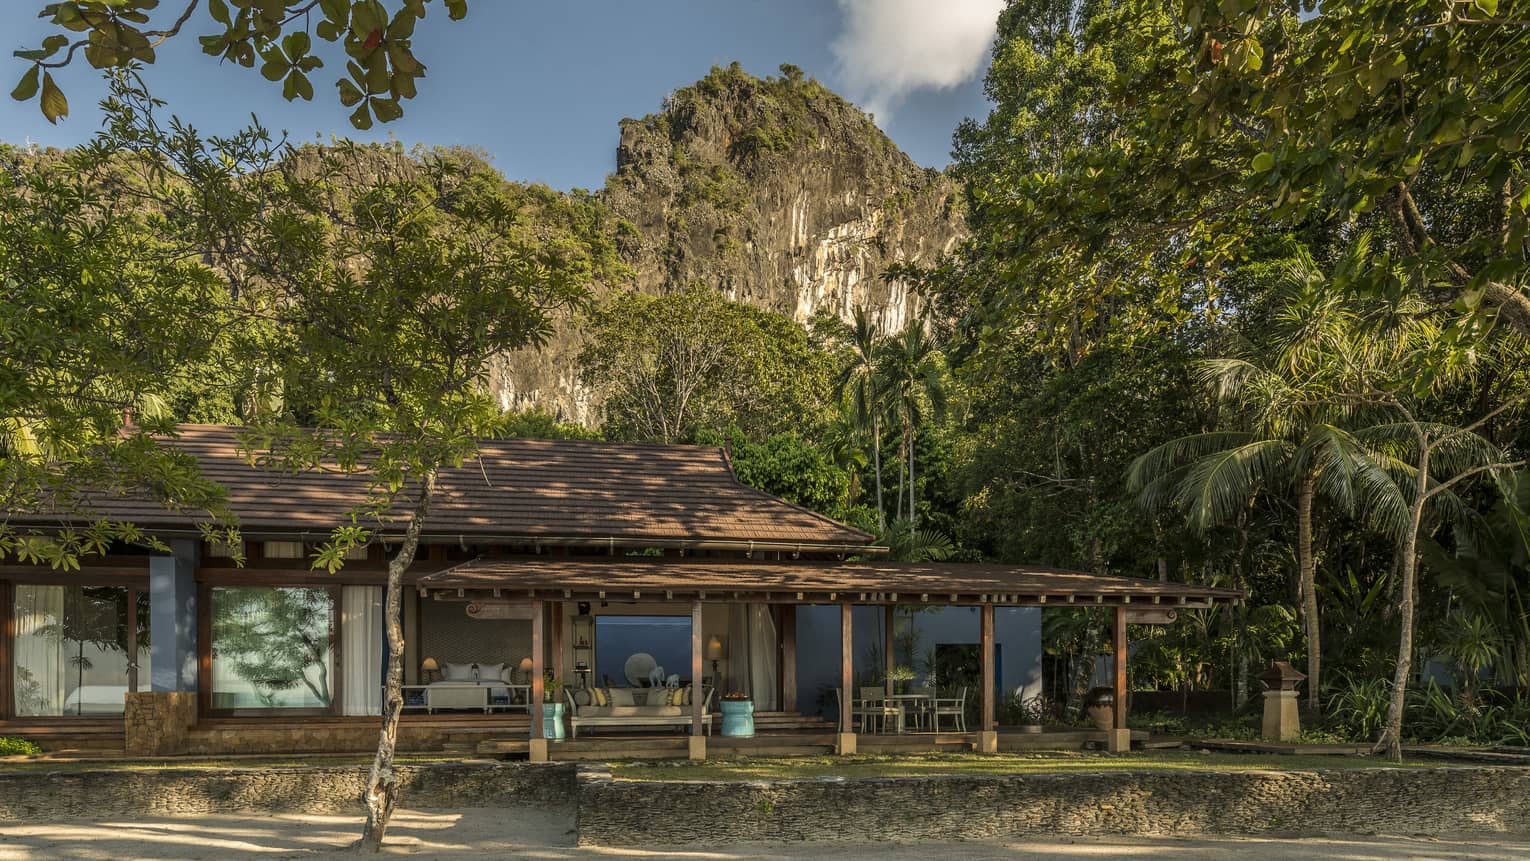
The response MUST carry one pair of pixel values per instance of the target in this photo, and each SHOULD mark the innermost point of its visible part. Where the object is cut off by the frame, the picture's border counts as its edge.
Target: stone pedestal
(1282, 721)
(844, 743)
(697, 747)
(988, 742)
(537, 752)
(1118, 740)
(158, 723)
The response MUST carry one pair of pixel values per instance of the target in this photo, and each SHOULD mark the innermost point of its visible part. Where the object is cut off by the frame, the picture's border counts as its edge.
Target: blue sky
(541, 86)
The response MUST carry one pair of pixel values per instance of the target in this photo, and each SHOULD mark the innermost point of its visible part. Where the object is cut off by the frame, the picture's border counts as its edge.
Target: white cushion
(621, 696)
(458, 672)
(491, 672)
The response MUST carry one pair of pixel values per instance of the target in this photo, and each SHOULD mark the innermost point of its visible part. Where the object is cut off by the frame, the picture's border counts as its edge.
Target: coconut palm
(1291, 441)
(911, 378)
(858, 389)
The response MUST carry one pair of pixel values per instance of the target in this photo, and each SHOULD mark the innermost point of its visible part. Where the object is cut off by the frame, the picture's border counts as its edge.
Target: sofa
(634, 707)
(472, 686)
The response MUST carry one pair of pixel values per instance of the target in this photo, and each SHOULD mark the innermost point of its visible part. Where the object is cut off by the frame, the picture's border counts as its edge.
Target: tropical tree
(1292, 443)
(387, 283)
(374, 36)
(912, 379)
(670, 366)
(857, 386)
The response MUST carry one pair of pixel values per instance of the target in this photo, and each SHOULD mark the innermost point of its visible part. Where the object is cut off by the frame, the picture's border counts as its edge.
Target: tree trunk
(1307, 565)
(914, 514)
(1391, 737)
(381, 795)
(876, 461)
(902, 450)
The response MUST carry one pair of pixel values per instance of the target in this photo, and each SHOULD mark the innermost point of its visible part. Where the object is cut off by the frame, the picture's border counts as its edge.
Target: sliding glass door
(77, 649)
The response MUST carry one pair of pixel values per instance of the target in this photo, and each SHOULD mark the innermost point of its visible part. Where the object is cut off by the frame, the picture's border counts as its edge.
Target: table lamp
(429, 668)
(526, 670)
(716, 651)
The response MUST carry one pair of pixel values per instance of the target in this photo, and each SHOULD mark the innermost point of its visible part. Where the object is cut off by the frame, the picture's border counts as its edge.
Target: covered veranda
(537, 587)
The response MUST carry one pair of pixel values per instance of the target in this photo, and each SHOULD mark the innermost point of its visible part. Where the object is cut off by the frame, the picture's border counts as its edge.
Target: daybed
(635, 707)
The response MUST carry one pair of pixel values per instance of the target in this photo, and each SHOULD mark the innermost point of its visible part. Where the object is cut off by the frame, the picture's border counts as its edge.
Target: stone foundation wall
(330, 738)
(37, 796)
(1434, 801)
(158, 723)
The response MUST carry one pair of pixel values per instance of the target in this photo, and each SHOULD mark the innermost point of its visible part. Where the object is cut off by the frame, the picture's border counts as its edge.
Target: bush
(12, 746)
(1434, 715)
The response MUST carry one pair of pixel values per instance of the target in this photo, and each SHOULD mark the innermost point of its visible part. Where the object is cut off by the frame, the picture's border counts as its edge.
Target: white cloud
(890, 48)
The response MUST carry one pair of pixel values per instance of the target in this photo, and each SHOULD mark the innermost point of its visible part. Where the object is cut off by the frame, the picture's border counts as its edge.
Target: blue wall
(1017, 646)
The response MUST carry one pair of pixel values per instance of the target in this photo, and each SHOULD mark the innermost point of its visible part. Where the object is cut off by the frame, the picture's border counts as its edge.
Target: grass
(906, 765)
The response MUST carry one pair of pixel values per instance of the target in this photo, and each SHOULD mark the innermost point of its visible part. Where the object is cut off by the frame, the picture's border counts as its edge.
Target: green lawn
(994, 764)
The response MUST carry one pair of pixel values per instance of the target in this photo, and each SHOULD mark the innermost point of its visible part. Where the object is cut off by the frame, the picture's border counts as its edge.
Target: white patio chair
(954, 707)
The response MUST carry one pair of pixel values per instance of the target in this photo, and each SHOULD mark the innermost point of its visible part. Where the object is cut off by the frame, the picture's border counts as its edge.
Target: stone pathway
(499, 833)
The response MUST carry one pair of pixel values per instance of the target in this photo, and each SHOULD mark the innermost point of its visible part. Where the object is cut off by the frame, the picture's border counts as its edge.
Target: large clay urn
(1100, 705)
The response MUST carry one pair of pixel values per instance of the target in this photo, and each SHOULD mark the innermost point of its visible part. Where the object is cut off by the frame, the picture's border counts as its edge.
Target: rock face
(776, 192)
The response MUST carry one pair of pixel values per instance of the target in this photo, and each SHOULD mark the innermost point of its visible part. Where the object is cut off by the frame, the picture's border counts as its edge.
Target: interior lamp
(429, 668)
(526, 669)
(716, 651)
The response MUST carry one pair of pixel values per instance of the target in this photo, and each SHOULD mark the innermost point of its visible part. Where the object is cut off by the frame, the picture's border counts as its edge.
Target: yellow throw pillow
(600, 697)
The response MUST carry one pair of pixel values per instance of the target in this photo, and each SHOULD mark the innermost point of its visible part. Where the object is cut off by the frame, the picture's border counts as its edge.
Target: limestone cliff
(776, 192)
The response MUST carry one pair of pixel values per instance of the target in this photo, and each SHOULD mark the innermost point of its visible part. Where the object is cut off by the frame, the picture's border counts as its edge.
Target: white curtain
(39, 651)
(753, 650)
(361, 642)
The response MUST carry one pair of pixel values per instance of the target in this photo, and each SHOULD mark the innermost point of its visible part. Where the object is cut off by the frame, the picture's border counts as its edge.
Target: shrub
(12, 746)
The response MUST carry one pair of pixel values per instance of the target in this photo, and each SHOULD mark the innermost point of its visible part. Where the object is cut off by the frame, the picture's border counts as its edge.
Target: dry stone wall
(36, 796)
(1425, 801)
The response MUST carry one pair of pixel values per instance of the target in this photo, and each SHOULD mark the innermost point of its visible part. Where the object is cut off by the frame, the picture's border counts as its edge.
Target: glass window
(71, 649)
(271, 647)
(664, 639)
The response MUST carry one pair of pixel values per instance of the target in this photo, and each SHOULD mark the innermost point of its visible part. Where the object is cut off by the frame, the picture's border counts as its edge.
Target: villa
(627, 573)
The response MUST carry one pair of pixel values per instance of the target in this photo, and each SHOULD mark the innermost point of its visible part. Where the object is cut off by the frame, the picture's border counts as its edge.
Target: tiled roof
(528, 488)
(863, 582)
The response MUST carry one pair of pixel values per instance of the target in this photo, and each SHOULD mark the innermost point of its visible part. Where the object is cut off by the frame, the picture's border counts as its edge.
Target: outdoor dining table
(910, 700)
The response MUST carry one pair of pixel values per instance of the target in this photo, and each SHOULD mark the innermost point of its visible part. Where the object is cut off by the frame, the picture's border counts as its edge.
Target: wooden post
(788, 658)
(1119, 739)
(887, 647)
(698, 741)
(988, 737)
(538, 749)
(846, 742)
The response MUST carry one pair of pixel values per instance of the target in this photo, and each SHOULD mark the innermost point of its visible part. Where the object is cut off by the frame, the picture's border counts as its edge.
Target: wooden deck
(785, 734)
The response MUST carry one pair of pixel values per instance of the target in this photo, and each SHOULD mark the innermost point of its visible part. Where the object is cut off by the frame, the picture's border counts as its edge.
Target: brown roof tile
(527, 488)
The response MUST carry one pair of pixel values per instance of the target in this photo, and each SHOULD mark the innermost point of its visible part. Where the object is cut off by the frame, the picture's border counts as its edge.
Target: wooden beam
(697, 696)
(1120, 667)
(7, 636)
(538, 670)
(788, 674)
(987, 656)
(846, 668)
(887, 647)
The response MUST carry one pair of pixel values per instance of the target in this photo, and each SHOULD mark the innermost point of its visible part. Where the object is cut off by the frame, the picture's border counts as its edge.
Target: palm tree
(858, 386)
(911, 377)
(1291, 442)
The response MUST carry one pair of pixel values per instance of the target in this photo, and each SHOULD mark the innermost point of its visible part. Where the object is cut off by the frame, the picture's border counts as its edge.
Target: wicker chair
(955, 707)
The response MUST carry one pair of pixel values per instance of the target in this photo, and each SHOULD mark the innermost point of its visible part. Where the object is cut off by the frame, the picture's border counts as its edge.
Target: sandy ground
(499, 833)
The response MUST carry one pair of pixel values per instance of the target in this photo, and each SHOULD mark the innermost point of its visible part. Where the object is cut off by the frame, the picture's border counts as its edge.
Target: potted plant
(1033, 711)
(738, 714)
(552, 708)
(900, 676)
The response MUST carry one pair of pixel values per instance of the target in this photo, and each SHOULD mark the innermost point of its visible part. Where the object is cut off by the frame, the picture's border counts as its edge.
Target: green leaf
(219, 11)
(387, 110)
(329, 31)
(456, 9)
(274, 69)
(361, 119)
(296, 44)
(1263, 162)
(53, 103)
(349, 94)
(301, 85)
(337, 11)
(27, 88)
(1488, 7)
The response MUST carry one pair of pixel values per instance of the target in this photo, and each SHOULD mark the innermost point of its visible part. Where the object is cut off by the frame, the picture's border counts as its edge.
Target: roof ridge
(728, 462)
